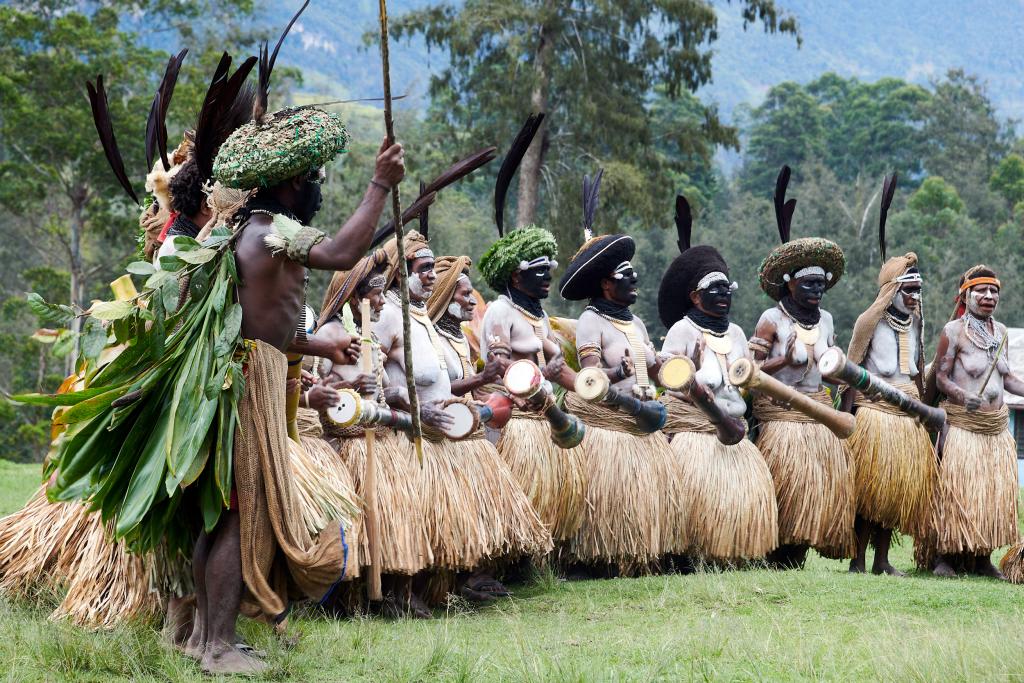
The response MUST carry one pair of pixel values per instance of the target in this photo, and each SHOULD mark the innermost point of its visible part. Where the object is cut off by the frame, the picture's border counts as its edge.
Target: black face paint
(624, 289)
(535, 282)
(716, 300)
(808, 291)
(308, 202)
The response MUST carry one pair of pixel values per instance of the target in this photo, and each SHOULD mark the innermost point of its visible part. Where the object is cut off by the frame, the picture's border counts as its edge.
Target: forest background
(697, 97)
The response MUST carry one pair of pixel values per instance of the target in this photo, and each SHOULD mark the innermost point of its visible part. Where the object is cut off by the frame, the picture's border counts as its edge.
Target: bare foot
(983, 567)
(856, 566)
(229, 660)
(418, 609)
(885, 568)
(488, 584)
(943, 570)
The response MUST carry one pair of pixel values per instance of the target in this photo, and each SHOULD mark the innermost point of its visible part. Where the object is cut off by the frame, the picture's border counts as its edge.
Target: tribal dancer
(812, 468)
(633, 508)
(975, 503)
(473, 509)
(400, 493)
(518, 266)
(894, 460)
(727, 491)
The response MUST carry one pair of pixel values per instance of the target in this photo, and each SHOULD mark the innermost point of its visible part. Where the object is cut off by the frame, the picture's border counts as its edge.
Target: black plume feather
(226, 106)
(684, 223)
(888, 190)
(101, 117)
(783, 209)
(267, 66)
(591, 190)
(515, 154)
(424, 217)
(460, 169)
(156, 125)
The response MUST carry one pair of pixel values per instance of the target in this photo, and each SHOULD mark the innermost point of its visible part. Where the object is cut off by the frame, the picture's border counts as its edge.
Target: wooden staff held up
(403, 269)
(370, 473)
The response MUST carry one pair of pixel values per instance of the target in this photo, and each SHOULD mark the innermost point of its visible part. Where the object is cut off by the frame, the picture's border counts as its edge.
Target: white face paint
(906, 302)
(455, 311)
(982, 300)
(416, 289)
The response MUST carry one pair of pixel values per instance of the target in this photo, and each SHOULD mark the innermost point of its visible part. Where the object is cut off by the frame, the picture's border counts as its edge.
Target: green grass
(816, 624)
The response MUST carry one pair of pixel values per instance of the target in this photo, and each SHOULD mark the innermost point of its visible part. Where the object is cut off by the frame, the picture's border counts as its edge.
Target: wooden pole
(370, 473)
(403, 268)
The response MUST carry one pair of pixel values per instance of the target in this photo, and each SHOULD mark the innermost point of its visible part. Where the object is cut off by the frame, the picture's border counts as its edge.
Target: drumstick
(370, 473)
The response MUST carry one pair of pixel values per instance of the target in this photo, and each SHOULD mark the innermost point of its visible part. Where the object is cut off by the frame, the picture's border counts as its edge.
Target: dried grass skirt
(895, 470)
(813, 474)
(976, 496)
(729, 497)
(401, 499)
(552, 477)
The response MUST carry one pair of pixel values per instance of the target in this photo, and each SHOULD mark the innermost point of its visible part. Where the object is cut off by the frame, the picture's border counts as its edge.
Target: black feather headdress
(783, 209)
(684, 223)
(156, 125)
(591, 191)
(515, 154)
(888, 190)
(101, 117)
(267, 67)
(227, 105)
(424, 215)
(457, 171)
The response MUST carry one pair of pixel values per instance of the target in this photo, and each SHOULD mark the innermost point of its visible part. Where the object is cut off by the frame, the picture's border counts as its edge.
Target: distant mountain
(869, 39)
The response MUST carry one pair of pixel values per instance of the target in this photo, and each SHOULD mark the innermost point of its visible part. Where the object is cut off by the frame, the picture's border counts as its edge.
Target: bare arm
(340, 349)
(353, 239)
(767, 331)
(946, 354)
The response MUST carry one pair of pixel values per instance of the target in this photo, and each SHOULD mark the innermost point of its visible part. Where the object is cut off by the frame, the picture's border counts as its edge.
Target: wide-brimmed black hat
(681, 279)
(596, 259)
(786, 259)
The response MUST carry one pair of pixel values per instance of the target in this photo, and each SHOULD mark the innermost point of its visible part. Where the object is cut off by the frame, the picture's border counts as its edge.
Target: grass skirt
(55, 547)
(401, 496)
(626, 505)
(552, 478)
(1012, 564)
(729, 495)
(813, 474)
(326, 494)
(895, 470)
(976, 497)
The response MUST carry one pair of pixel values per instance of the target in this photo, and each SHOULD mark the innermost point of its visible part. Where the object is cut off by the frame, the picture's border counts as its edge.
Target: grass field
(816, 624)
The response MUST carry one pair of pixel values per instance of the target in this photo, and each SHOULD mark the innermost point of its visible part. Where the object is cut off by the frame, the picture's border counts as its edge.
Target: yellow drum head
(676, 373)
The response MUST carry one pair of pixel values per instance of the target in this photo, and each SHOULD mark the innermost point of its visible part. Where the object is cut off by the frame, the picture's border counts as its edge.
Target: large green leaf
(78, 455)
(54, 400)
(230, 330)
(111, 310)
(197, 256)
(145, 481)
(91, 407)
(58, 314)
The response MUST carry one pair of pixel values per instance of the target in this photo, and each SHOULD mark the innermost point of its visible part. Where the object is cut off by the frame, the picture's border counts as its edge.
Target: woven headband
(974, 282)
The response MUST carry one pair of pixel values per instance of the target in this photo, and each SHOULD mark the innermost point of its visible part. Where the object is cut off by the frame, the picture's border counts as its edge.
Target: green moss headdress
(507, 255)
(281, 146)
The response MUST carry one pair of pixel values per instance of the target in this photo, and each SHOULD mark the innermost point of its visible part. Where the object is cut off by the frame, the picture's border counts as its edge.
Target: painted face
(808, 291)
(376, 298)
(623, 290)
(310, 196)
(463, 302)
(421, 278)
(534, 282)
(908, 298)
(715, 301)
(982, 300)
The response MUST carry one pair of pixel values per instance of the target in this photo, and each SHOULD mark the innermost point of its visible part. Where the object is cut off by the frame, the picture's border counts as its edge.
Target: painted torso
(684, 338)
(594, 328)
(805, 378)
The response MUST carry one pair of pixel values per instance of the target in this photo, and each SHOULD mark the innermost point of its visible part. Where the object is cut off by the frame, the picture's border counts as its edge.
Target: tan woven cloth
(344, 283)
(448, 270)
(767, 410)
(413, 242)
(685, 417)
(278, 556)
(989, 422)
(601, 415)
(865, 326)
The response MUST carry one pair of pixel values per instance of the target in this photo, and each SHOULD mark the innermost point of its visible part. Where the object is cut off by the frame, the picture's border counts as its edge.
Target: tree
(1008, 179)
(590, 65)
(788, 128)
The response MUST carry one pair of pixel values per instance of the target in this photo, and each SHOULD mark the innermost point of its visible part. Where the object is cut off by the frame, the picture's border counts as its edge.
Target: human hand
(321, 397)
(433, 415)
(495, 367)
(390, 167)
(554, 368)
(972, 401)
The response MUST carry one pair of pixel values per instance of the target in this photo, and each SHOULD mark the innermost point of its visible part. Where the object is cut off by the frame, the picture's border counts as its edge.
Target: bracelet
(381, 186)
